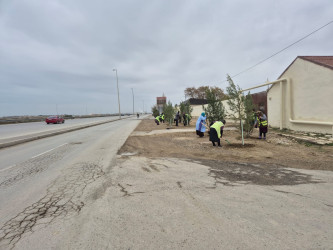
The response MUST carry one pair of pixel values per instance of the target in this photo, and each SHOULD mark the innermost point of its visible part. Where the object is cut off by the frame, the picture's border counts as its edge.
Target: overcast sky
(59, 54)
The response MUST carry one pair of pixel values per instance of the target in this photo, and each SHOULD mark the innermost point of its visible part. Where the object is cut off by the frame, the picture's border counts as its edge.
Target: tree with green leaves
(155, 111)
(215, 110)
(185, 108)
(169, 112)
(200, 92)
(248, 111)
(235, 101)
(182, 108)
(241, 106)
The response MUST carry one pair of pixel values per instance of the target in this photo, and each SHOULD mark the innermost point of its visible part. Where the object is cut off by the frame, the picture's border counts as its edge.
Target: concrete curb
(308, 139)
(42, 135)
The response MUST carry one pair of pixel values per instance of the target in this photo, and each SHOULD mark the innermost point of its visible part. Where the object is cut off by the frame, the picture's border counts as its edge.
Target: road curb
(308, 139)
(49, 134)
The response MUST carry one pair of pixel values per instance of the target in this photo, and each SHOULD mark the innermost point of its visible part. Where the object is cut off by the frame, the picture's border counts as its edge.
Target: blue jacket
(199, 126)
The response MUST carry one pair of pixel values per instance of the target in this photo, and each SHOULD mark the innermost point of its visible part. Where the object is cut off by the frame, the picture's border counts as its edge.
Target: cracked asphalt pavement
(51, 187)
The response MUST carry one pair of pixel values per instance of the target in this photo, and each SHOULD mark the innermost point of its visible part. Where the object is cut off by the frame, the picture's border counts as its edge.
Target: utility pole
(118, 93)
(133, 100)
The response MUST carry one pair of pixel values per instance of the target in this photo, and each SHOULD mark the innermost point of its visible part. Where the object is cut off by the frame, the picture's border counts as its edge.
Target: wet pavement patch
(231, 173)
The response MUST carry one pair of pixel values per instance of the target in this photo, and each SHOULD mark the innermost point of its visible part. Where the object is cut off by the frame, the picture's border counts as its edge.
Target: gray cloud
(61, 53)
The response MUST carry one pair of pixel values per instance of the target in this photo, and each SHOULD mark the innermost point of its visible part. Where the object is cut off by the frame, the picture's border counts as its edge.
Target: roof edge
(306, 59)
(315, 62)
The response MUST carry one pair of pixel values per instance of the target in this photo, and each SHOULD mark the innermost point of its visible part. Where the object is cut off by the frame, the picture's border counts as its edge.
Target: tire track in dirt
(63, 198)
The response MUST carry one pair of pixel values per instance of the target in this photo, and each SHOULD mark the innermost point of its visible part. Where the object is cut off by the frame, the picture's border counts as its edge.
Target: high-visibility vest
(157, 118)
(217, 126)
(162, 117)
(262, 123)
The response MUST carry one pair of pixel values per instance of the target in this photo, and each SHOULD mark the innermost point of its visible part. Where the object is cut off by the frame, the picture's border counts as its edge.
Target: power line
(280, 50)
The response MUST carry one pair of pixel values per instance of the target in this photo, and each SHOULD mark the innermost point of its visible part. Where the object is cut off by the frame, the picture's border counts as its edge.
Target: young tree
(235, 101)
(215, 110)
(188, 109)
(182, 108)
(155, 111)
(241, 106)
(248, 110)
(185, 108)
(169, 112)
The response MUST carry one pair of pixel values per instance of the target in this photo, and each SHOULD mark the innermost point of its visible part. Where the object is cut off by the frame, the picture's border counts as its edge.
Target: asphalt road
(46, 180)
(21, 129)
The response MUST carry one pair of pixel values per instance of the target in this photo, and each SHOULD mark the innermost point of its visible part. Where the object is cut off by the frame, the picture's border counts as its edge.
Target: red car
(54, 119)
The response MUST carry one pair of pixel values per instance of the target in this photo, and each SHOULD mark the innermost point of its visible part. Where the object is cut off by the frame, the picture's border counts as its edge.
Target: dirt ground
(275, 152)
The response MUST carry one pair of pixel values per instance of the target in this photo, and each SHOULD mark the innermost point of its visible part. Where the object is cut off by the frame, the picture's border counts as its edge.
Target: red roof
(325, 61)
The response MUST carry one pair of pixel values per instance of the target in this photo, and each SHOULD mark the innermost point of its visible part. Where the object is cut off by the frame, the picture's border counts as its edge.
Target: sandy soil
(275, 151)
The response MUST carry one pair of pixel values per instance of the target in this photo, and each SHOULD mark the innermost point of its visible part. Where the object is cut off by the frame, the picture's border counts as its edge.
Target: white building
(302, 97)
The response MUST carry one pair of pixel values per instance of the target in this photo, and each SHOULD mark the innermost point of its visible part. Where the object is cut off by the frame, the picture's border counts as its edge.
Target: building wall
(197, 109)
(312, 95)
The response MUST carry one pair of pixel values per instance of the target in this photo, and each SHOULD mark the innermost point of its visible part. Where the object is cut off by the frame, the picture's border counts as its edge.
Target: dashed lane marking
(7, 168)
(49, 150)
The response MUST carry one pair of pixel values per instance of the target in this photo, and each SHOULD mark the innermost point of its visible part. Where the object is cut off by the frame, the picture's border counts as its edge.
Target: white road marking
(7, 168)
(48, 150)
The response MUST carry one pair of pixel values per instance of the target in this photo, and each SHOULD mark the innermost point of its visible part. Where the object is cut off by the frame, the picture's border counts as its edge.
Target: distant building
(160, 102)
(196, 105)
(302, 100)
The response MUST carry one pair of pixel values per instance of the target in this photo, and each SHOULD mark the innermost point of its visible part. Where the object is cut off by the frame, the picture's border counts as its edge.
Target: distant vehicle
(54, 119)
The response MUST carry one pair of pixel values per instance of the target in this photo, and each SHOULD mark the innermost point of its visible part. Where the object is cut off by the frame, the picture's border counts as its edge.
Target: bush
(215, 110)
(155, 111)
(169, 112)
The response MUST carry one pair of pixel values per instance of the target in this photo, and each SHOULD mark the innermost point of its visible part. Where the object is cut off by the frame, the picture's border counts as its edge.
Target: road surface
(52, 179)
(21, 129)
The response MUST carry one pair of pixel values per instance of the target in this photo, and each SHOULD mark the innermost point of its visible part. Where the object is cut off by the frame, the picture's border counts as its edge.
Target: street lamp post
(118, 93)
(133, 100)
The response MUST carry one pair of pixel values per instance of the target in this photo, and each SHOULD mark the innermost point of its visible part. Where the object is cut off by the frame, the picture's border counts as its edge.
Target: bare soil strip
(275, 151)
